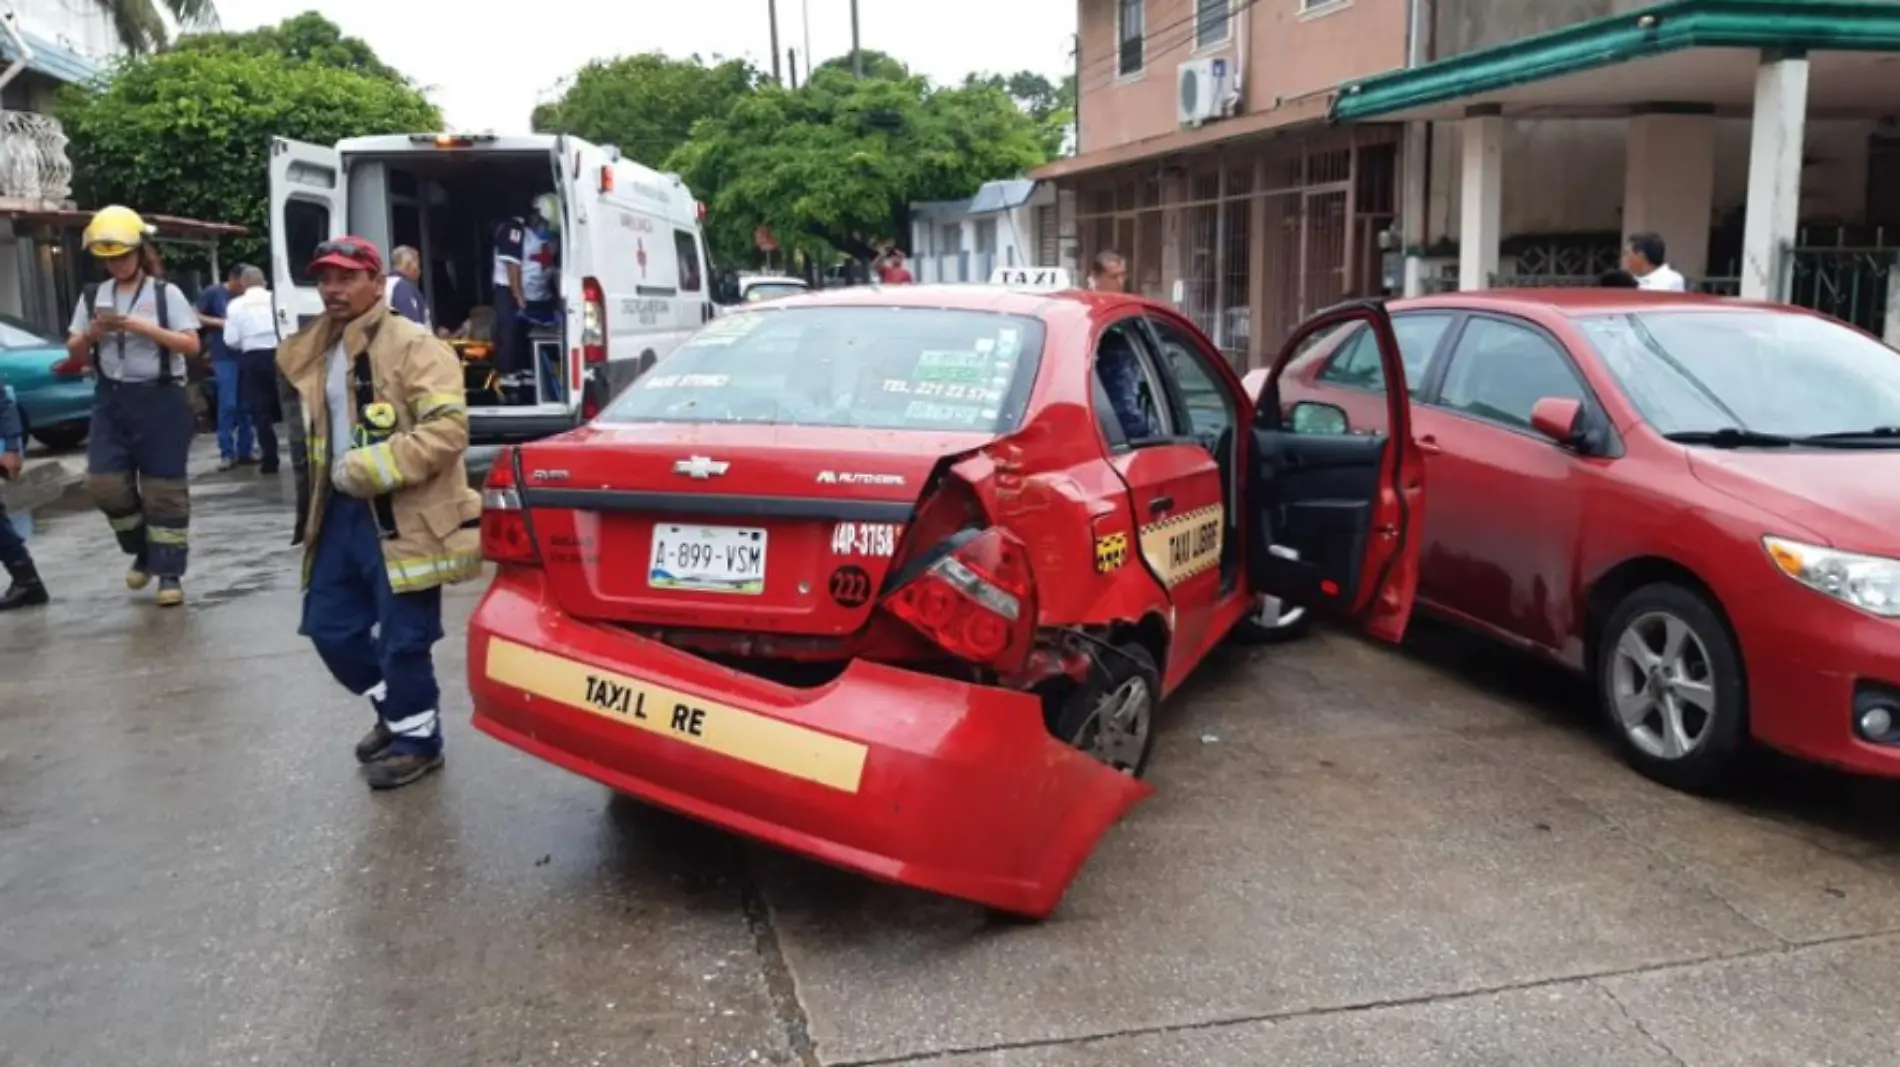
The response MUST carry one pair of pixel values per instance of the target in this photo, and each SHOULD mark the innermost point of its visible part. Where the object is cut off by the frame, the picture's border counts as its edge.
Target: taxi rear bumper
(923, 781)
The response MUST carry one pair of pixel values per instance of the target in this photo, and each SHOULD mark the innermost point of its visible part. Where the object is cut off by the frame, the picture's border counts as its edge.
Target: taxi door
(1337, 516)
(1174, 484)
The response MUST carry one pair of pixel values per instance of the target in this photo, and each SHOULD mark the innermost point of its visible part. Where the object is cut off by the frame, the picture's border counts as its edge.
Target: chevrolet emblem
(700, 467)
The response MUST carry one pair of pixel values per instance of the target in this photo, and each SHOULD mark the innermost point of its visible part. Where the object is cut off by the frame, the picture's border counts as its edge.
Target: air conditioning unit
(1204, 91)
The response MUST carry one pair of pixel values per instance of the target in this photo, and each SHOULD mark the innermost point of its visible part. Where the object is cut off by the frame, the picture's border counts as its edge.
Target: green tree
(308, 37)
(834, 166)
(646, 104)
(188, 132)
(876, 65)
(140, 24)
(1050, 104)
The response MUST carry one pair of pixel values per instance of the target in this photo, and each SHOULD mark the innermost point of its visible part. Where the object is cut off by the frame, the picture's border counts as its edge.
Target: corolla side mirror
(1558, 418)
(1313, 417)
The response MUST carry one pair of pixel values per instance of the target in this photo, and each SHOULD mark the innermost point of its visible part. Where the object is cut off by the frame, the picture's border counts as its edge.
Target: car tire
(1272, 622)
(1122, 674)
(62, 438)
(1671, 685)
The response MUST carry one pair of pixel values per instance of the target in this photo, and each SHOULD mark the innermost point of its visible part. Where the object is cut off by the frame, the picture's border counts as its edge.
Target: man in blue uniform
(509, 297)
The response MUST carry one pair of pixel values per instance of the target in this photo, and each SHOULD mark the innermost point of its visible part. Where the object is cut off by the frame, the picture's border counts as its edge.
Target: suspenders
(165, 355)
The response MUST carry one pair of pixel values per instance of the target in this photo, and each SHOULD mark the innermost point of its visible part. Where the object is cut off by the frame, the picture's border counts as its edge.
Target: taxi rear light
(507, 536)
(978, 602)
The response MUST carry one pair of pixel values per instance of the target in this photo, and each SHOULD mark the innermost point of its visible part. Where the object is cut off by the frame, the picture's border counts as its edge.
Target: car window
(1124, 372)
(1210, 408)
(686, 247)
(866, 367)
(1357, 364)
(1770, 372)
(12, 336)
(758, 291)
(1500, 370)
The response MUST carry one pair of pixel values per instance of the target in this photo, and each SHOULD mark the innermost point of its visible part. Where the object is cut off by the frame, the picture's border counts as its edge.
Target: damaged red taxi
(898, 578)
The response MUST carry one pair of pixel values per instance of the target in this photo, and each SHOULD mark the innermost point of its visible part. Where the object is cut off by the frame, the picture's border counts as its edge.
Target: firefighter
(138, 330)
(391, 516)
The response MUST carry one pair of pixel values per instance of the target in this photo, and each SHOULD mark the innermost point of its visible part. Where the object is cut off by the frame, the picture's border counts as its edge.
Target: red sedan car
(1692, 500)
(897, 578)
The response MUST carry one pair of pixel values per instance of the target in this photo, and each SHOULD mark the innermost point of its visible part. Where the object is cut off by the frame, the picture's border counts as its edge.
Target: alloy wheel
(1663, 686)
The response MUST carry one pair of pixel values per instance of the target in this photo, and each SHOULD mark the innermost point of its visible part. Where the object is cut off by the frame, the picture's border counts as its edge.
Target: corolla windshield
(882, 368)
(1752, 376)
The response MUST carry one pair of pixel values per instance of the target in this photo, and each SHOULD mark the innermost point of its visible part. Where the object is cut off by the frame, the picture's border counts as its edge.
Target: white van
(633, 278)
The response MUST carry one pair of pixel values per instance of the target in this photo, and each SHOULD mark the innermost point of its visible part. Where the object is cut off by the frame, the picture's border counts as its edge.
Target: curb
(40, 484)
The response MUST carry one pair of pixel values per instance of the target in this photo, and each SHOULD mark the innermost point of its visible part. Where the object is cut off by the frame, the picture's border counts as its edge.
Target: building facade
(1257, 160)
(1010, 223)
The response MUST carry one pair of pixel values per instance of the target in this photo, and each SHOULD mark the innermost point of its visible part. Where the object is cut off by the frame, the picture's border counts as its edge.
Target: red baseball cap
(347, 253)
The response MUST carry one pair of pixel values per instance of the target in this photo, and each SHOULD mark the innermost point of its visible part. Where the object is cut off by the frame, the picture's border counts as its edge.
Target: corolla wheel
(1663, 686)
(1672, 686)
(1111, 717)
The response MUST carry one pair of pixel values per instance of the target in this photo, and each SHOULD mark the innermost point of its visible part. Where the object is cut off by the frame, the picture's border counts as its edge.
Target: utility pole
(771, 14)
(804, 7)
(857, 53)
(791, 55)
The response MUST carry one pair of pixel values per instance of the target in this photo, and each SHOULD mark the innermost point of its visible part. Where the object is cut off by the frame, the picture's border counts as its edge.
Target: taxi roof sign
(1034, 279)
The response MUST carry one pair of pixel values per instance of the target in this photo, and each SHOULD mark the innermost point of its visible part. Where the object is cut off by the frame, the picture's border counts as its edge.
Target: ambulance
(633, 276)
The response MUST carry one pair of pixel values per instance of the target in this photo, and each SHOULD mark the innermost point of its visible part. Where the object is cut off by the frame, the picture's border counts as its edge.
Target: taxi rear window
(880, 368)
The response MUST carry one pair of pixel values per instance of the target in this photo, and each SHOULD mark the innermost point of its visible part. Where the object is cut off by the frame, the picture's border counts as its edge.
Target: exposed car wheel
(61, 438)
(1273, 621)
(1112, 716)
(1671, 684)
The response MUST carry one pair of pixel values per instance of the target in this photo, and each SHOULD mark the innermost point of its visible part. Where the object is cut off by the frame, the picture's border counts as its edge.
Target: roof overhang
(168, 227)
(48, 58)
(1685, 55)
(1289, 116)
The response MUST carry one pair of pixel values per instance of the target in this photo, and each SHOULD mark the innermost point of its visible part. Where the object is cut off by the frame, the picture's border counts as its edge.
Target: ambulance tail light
(593, 340)
(507, 535)
(977, 601)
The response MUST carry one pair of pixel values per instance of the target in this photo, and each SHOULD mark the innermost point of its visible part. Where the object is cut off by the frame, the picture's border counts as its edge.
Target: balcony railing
(33, 163)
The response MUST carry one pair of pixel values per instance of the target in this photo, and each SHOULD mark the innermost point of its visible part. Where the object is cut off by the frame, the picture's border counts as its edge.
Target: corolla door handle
(1429, 445)
(1160, 505)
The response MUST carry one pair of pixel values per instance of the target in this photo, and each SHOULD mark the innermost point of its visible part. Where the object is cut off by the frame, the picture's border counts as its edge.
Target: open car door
(1337, 511)
(307, 207)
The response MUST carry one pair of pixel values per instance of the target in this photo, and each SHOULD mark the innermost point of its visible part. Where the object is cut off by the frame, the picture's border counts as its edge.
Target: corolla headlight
(1870, 583)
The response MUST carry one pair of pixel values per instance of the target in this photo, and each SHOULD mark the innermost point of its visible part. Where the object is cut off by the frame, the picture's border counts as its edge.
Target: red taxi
(896, 578)
(1684, 498)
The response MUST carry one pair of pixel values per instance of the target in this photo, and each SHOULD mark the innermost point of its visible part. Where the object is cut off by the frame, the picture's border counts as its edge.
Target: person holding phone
(137, 330)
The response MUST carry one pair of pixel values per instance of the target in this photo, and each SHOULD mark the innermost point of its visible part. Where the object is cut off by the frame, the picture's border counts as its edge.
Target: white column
(1414, 164)
(1669, 186)
(1481, 211)
(1774, 171)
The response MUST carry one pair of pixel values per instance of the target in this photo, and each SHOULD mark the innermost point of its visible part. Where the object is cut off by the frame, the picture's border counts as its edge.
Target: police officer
(391, 518)
(25, 589)
(137, 330)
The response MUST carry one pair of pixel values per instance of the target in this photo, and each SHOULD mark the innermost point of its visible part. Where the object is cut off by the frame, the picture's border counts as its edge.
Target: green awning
(1685, 52)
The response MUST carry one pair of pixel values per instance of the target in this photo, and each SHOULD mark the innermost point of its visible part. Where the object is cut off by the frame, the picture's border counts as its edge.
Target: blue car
(55, 401)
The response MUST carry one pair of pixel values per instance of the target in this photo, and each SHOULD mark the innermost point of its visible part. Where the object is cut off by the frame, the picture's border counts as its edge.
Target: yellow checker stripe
(1182, 546)
(732, 732)
(1111, 551)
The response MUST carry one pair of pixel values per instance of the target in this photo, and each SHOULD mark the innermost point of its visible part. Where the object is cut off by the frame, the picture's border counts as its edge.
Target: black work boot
(26, 591)
(395, 769)
(374, 743)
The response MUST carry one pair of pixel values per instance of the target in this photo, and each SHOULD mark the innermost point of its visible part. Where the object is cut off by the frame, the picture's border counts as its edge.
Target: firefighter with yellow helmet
(137, 330)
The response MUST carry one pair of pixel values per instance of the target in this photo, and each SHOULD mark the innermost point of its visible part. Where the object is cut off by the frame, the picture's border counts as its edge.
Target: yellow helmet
(114, 231)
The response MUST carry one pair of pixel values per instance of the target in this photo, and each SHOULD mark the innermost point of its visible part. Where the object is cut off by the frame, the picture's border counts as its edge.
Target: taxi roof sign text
(1044, 279)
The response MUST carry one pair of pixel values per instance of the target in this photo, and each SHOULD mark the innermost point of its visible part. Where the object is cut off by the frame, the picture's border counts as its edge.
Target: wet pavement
(1354, 857)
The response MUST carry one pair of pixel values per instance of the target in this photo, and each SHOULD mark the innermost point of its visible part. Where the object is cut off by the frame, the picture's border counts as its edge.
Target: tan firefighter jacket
(413, 473)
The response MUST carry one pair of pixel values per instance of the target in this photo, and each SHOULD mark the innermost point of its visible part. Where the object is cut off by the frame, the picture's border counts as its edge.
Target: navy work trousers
(376, 642)
(509, 340)
(135, 468)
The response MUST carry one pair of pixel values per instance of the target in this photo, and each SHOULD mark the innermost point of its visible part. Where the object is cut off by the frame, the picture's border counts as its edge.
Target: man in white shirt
(1647, 258)
(250, 330)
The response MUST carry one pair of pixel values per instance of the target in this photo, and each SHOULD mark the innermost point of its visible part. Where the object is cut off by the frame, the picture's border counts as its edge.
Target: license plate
(709, 559)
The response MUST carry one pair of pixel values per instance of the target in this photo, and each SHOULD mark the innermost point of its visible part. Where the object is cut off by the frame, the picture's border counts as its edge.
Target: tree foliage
(833, 166)
(1051, 105)
(140, 24)
(308, 37)
(646, 104)
(187, 132)
(876, 65)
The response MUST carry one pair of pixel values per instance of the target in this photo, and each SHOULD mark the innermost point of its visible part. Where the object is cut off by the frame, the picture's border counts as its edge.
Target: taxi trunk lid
(766, 529)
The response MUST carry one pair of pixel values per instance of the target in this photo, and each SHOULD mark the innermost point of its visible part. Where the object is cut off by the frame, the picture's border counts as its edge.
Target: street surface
(1354, 857)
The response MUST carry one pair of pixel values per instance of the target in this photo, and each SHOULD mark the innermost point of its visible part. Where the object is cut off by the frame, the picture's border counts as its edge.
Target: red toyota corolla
(1695, 501)
(897, 578)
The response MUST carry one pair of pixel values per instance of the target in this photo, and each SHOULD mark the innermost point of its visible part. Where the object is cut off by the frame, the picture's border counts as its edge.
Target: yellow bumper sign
(736, 733)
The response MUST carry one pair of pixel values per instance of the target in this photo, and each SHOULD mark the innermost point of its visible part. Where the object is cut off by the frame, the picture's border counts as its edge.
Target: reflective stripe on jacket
(419, 465)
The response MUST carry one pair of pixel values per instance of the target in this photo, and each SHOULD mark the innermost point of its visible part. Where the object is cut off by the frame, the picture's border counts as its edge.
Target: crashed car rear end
(770, 588)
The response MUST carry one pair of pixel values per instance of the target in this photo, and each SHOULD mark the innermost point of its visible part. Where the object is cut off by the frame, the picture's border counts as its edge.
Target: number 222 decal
(864, 539)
